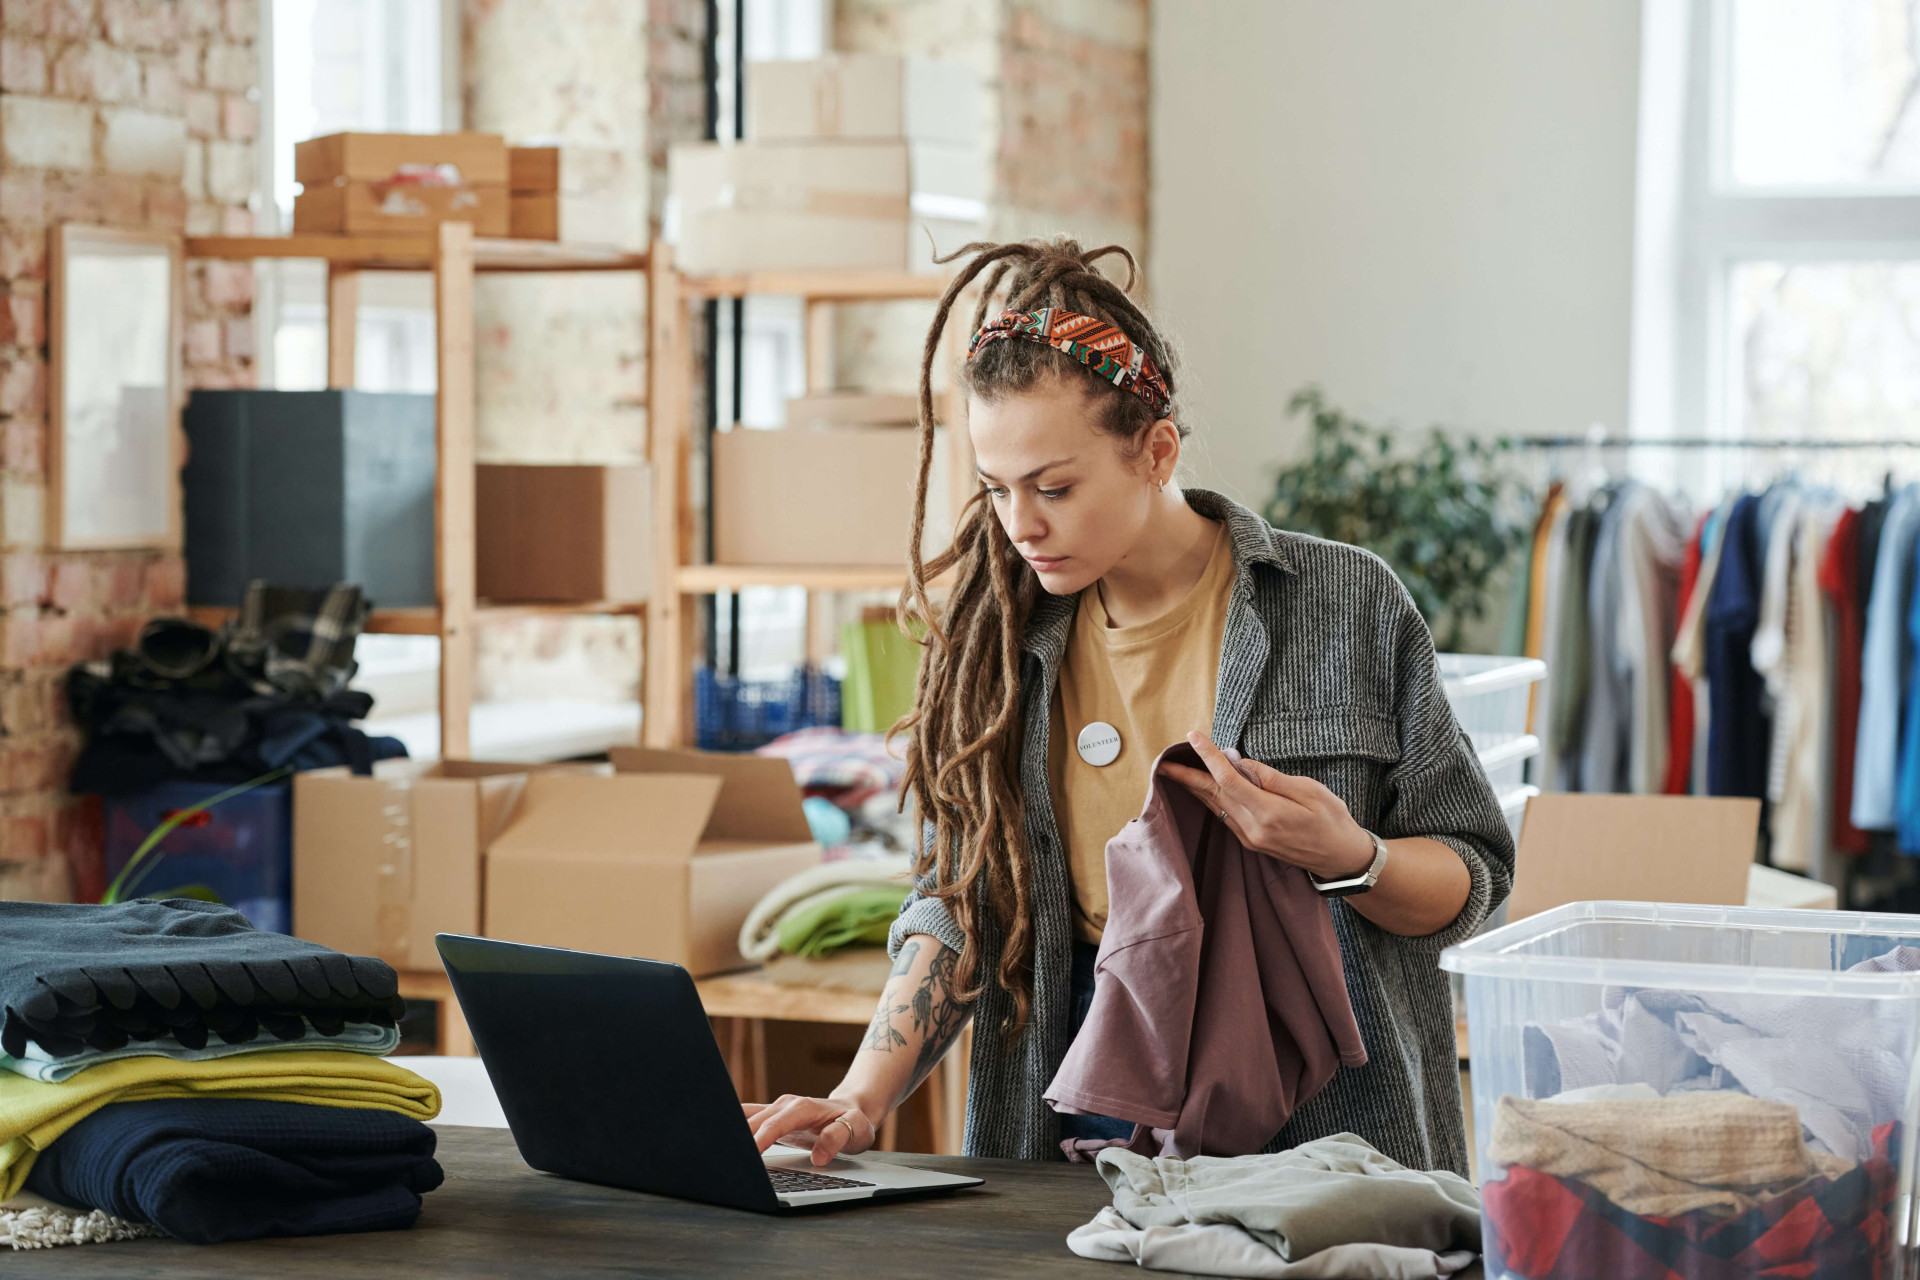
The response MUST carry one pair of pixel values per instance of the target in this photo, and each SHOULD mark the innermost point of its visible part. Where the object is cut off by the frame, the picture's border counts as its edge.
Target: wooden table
(497, 1217)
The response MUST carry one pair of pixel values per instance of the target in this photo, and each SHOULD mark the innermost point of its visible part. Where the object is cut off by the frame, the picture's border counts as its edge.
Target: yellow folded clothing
(33, 1114)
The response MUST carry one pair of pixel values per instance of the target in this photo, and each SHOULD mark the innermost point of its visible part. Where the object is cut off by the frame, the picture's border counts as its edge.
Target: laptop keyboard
(802, 1180)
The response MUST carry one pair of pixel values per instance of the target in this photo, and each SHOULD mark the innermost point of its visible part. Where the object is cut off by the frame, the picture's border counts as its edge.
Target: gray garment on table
(1220, 1250)
(1840, 1061)
(1326, 670)
(1605, 727)
(1263, 1212)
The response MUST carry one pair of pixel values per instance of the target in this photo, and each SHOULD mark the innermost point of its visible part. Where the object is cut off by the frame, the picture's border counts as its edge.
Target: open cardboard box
(381, 864)
(662, 859)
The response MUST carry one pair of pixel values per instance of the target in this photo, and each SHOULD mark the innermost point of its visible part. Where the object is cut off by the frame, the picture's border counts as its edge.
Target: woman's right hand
(829, 1127)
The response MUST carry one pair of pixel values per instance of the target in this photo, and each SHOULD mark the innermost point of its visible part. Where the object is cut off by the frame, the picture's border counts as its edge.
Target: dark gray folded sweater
(75, 976)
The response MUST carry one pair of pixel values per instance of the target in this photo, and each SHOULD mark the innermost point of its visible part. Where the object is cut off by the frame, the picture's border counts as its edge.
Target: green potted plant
(1443, 509)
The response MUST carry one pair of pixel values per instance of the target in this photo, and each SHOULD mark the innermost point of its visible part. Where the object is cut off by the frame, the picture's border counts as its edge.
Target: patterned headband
(1108, 353)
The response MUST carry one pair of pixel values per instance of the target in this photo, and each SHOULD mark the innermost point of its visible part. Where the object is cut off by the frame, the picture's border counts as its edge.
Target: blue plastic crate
(241, 848)
(731, 714)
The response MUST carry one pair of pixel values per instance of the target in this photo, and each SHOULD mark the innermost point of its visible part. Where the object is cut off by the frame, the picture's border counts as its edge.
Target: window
(1778, 254)
(339, 65)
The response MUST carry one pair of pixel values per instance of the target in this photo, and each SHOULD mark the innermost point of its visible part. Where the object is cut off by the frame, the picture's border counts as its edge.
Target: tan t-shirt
(1154, 682)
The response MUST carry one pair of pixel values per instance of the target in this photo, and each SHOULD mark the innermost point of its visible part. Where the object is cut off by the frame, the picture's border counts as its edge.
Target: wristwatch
(1350, 885)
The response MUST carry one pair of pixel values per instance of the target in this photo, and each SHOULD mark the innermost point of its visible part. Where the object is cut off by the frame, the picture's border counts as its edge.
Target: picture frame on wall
(114, 388)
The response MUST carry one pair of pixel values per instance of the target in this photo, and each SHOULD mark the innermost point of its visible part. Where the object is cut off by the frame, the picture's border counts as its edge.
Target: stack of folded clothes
(167, 1069)
(828, 909)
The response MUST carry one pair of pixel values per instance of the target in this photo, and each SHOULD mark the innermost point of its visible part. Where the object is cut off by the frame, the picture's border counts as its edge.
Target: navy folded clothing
(208, 1170)
(76, 976)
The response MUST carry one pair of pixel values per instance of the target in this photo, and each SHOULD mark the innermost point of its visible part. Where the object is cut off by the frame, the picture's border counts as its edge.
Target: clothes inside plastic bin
(1692, 1091)
(240, 849)
(1489, 695)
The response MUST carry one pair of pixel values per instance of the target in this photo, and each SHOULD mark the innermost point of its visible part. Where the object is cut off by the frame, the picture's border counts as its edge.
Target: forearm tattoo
(928, 1008)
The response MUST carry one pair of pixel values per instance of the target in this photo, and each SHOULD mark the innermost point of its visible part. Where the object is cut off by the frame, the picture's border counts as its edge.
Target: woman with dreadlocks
(1093, 597)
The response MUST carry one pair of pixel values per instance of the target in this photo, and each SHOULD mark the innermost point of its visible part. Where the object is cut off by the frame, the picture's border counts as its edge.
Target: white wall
(1426, 208)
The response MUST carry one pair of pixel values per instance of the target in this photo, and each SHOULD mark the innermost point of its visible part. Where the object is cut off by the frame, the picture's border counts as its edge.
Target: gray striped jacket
(1326, 670)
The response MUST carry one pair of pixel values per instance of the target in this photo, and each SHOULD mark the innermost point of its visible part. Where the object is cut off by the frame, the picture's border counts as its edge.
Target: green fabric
(858, 917)
(881, 666)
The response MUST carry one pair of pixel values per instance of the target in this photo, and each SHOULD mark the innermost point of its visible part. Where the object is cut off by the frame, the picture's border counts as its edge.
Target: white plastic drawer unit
(1691, 1090)
(1489, 695)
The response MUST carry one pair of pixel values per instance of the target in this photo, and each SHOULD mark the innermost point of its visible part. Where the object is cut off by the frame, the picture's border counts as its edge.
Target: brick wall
(124, 113)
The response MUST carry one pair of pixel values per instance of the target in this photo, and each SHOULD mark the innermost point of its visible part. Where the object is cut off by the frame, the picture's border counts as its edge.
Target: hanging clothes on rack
(1737, 715)
(1680, 722)
(1763, 648)
(1884, 660)
(1840, 581)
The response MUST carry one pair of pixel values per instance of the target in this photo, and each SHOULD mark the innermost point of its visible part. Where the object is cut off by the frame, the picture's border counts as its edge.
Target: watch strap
(1348, 886)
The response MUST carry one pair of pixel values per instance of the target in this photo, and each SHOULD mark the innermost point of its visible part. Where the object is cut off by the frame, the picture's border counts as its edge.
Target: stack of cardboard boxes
(661, 855)
(570, 193)
(400, 183)
(853, 161)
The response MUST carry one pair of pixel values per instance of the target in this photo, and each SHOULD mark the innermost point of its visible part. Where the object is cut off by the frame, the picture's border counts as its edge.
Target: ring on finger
(842, 1119)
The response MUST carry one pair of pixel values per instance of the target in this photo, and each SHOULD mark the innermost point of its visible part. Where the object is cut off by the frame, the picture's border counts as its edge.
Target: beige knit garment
(1664, 1156)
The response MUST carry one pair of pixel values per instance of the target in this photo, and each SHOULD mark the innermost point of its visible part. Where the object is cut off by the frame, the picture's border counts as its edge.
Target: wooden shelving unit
(453, 255)
(669, 713)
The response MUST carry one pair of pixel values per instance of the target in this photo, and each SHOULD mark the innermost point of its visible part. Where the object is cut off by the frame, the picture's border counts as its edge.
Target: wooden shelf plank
(493, 609)
(392, 622)
(701, 578)
(821, 285)
(415, 253)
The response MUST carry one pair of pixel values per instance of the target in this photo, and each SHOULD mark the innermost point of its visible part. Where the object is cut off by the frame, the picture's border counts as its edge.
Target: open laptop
(608, 1072)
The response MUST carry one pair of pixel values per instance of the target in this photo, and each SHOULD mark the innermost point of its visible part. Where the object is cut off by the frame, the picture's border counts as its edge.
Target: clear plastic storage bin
(1489, 695)
(1695, 1091)
(1506, 764)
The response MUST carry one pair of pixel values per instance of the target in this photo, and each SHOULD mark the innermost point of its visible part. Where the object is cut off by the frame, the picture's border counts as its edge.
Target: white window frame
(1693, 224)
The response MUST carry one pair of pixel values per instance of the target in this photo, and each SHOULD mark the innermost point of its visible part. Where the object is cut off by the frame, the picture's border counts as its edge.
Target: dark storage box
(310, 488)
(241, 849)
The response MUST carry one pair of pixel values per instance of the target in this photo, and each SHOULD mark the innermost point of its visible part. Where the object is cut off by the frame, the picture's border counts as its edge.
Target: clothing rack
(1700, 442)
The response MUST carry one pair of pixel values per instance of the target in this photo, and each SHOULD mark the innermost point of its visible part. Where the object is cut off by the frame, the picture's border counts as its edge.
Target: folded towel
(75, 976)
(28, 1221)
(33, 1114)
(207, 1170)
(845, 918)
(759, 938)
(355, 1037)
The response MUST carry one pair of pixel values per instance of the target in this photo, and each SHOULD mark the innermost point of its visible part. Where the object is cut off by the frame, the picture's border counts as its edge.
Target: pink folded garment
(1213, 1067)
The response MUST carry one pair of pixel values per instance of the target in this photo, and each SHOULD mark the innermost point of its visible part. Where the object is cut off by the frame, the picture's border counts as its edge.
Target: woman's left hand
(1295, 819)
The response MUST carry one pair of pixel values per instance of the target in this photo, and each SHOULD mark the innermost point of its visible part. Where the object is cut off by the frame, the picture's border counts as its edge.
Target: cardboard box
(832, 495)
(573, 219)
(662, 860)
(573, 171)
(481, 158)
(866, 96)
(852, 408)
(564, 533)
(399, 208)
(822, 206)
(382, 864)
(1595, 848)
